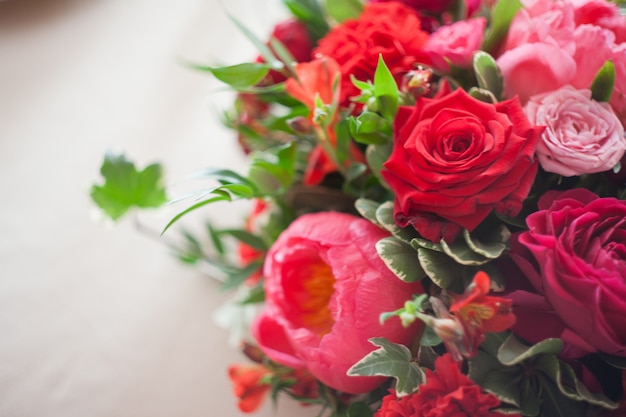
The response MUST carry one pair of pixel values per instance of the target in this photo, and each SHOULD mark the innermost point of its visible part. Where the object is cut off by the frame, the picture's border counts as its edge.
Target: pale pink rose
(456, 43)
(535, 68)
(582, 136)
(323, 281)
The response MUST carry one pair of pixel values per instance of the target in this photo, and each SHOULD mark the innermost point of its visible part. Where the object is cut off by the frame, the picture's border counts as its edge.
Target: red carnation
(391, 29)
(447, 392)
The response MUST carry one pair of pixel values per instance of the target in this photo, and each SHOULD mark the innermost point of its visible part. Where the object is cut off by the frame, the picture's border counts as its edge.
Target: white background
(95, 320)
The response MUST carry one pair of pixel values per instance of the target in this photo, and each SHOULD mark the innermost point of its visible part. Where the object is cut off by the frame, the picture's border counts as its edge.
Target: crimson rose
(446, 393)
(455, 159)
(391, 29)
(574, 256)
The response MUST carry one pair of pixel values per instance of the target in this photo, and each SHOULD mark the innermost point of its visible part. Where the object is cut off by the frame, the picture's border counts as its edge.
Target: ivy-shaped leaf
(391, 360)
(400, 258)
(125, 187)
(513, 352)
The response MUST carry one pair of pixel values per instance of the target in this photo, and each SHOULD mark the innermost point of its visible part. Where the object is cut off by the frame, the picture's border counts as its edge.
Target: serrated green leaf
(419, 242)
(125, 187)
(501, 16)
(461, 253)
(602, 85)
(385, 90)
(513, 352)
(384, 215)
(440, 270)
(341, 10)
(400, 258)
(488, 74)
(490, 241)
(238, 76)
(391, 360)
(367, 209)
(483, 95)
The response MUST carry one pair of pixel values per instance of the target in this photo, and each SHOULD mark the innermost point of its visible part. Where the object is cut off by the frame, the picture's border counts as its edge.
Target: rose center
(455, 146)
(312, 296)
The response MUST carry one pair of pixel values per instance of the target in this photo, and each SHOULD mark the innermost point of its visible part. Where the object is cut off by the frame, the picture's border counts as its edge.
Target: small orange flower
(462, 328)
(249, 385)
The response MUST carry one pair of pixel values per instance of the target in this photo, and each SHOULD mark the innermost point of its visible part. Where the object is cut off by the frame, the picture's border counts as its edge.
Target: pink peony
(456, 43)
(323, 281)
(574, 256)
(582, 136)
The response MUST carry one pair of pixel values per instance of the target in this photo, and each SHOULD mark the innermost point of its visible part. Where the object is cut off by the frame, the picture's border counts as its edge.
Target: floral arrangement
(439, 216)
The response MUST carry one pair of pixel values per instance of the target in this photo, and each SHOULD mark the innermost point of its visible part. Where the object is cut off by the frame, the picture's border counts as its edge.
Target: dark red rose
(391, 29)
(455, 159)
(574, 256)
(446, 393)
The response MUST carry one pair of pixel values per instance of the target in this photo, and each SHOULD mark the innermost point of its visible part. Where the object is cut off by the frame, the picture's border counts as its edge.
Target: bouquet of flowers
(439, 218)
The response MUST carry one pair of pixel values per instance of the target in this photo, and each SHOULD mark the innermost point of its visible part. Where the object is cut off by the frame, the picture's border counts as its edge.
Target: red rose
(446, 393)
(574, 256)
(391, 29)
(455, 159)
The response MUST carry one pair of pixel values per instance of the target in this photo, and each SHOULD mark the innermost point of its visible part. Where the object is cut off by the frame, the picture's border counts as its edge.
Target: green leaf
(255, 295)
(385, 90)
(125, 187)
(384, 215)
(440, 270)
(369, 128)
(461, 253)
(263, 49)
(220, 196)
(602, 86)
(391, 360)
(311, 14)
(376, 156)
(483, 95)
(488, 74)
(513, 352)
(238, 76)
(615, 361)
(488, 240)
(400, 258)
(246, 237)
(501, 16)
(367, 208)
(341, 10)
(360, 409)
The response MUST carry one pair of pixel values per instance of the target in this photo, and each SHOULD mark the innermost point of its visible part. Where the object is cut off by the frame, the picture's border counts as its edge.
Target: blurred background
(100, 320)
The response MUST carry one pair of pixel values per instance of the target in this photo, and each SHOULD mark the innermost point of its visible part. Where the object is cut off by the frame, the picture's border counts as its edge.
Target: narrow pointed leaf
(602, 86)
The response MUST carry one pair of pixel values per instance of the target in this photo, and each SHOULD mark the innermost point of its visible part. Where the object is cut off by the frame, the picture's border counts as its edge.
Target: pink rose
(618, 98)
(574, 255)
(601, 13)
(535, 68)
(582, 136)
(594, 46)
(455, 44)
(324, 286)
